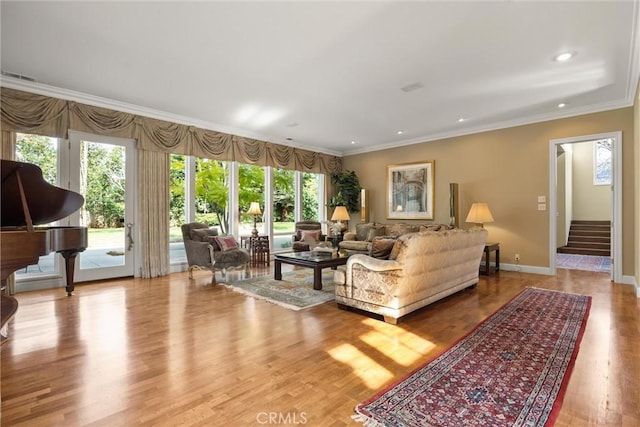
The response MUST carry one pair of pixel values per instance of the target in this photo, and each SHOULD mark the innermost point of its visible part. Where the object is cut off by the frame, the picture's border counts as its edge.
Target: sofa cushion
(375, 231)
(362, 230)
(355, 245)
(200, 234)
(399, 229)
(381, 247)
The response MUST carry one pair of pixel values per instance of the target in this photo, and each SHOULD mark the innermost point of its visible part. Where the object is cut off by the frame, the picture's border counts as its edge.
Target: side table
(486, 269)
(259, 250)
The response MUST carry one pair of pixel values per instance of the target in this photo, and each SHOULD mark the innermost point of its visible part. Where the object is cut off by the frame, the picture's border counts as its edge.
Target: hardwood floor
(171, 351)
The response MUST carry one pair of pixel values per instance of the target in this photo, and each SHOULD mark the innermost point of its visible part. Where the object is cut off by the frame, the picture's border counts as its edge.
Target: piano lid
(46, 203)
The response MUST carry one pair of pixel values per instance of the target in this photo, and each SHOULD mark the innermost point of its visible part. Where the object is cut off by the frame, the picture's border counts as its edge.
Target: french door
(102, 169)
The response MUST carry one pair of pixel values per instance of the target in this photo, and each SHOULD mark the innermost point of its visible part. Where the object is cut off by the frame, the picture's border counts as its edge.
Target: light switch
(542, 206)
(542, 199)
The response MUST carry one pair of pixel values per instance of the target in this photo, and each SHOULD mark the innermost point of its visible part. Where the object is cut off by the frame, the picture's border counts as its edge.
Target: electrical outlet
(517, 257)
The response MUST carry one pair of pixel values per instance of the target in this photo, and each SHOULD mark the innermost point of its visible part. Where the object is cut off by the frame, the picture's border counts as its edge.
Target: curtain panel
(43, 115)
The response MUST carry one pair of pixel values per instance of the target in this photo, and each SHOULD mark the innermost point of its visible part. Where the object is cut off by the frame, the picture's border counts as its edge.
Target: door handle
(129, 236)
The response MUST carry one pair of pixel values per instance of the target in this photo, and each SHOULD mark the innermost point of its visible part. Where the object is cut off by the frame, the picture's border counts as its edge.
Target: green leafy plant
(348, 194)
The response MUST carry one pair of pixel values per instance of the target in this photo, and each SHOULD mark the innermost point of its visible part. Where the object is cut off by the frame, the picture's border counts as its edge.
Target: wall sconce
(479, 214)
(254, 210)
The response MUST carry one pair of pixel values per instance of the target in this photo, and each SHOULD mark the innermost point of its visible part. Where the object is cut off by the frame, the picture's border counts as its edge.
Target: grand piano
(27, 200)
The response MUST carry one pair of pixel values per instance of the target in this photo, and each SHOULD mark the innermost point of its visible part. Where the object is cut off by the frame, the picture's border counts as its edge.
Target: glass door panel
(104, 175)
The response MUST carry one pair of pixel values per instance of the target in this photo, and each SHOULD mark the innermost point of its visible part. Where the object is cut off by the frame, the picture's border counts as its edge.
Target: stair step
(573, 232)
(581, 222)
(588, 238)
(605, 228)
(597, 239)
(584, 251)
(594, 245)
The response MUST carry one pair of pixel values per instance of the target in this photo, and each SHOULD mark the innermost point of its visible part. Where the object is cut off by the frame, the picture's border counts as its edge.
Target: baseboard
(39, 284)
(526, 269)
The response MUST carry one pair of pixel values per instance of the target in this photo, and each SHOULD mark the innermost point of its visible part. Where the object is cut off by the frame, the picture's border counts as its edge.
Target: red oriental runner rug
(511, 370)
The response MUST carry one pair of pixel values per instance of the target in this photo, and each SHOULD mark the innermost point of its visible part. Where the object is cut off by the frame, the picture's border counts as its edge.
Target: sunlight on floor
(400, 345)
(395, 343)
(372, 374)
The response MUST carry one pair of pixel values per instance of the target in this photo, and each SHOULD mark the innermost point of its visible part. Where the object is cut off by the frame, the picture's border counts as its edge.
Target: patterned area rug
(511, 370)
(295, 290)
(583, 262)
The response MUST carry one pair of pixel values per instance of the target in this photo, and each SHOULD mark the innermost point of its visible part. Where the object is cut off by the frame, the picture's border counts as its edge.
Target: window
(212, 193)
(177, 207)
(602, 161)
(284, 203)
(252, 188)
(200, 191)
(310, 196)
(43, 152)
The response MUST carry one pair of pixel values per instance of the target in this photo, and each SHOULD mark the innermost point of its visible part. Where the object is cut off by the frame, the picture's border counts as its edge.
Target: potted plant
(348, 193)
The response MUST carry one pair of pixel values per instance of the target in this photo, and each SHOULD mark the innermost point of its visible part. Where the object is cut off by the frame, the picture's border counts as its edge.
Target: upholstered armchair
(208, 251)
(306, 232)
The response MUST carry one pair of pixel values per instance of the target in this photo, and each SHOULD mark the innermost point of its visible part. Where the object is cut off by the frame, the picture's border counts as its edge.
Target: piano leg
(69, 267)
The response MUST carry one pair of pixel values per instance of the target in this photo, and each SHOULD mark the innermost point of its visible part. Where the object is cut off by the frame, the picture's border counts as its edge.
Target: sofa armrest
(373, 264)
(349, 236)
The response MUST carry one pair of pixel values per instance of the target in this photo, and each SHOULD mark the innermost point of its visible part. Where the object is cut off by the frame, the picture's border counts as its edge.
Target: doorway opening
(585, 199)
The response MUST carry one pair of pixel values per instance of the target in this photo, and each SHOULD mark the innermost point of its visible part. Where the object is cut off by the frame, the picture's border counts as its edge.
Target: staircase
(588, 238)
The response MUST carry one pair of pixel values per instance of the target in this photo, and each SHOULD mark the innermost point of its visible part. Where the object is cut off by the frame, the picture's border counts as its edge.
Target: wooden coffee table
(315, 260)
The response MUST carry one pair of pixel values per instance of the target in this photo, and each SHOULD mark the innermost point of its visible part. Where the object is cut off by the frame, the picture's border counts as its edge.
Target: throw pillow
(381, 248)
(226, 242)
(200, 234)
(212, 241)
(396, 250)
(310, 235)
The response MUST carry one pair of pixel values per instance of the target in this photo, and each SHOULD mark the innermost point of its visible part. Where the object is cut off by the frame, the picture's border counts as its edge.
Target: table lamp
(340, 214)
(479, 214)
(254, 210)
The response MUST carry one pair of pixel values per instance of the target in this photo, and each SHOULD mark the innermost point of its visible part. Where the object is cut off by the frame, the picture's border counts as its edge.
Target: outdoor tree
(212, 191)
(39, 150)
(105, 184)
(176, 190)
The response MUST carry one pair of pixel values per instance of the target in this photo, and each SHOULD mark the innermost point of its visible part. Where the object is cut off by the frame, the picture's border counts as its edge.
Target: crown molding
(497, 126)
(96, 101)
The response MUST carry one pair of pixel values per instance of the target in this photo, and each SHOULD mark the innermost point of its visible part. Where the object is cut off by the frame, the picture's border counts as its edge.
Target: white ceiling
(327, 73)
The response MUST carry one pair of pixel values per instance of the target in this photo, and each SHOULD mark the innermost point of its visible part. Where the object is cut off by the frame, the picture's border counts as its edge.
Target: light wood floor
(170, 351)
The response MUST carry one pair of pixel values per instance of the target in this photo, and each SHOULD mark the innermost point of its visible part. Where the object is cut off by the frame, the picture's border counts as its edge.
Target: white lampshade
(340, 214)
(254, 209)
(479, 214)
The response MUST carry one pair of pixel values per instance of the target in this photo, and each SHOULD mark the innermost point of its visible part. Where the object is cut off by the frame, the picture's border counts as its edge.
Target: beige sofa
(422, 268)
(359, 242)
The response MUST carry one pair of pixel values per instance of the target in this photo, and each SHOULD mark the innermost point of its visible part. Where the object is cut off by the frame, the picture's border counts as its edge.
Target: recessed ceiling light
(353, 142)
(565, 56)
(461, 119)
(289, 138)
(562, 105)
(400, 132)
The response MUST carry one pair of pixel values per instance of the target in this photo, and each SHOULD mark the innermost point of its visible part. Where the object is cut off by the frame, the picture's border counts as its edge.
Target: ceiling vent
(18, 76)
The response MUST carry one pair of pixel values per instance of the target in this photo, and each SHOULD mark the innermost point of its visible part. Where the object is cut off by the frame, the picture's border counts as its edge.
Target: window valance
(39, 114)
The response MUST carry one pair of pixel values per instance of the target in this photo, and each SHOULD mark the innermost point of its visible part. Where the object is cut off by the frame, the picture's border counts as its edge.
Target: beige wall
(508, 169)
(636, 188)
(590, 202)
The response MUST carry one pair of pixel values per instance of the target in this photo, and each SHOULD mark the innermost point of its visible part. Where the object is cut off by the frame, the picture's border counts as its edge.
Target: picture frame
(410, 190)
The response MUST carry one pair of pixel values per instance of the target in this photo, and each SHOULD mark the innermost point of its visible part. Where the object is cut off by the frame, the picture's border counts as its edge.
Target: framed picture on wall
(410, 190)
